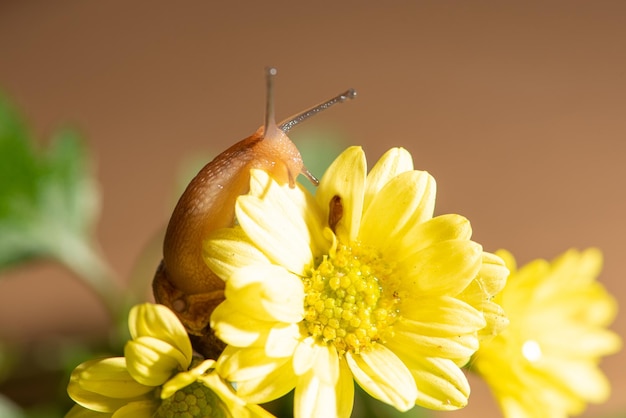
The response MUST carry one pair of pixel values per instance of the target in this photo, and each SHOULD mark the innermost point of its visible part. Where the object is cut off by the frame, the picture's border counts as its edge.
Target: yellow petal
(239, 364)
(406, 199)
(526, 281)
(104, 385)
(282, 340)
(590, 341)
(443, 317)
(481, 291)
(509, 260)
(590, 305)
(278, 339)
(442, 385)
(314, 218)
(326, 389)
(423, 235)
(393, 162)
(143, 409)
(269, 379)
(304, 356)
(556, 336)
(578, 268)
(157, 321)
(443, 268)
(184, 379)
(458, 348)
(79, 411)
(229, 249)
(237, 407)
(495, 317)
(583, 378)
(345, 178)
(237, 328)
(267, 292)
(489, 281)
(384, 376)
(344, 390)
(151, 361)
(274, 224)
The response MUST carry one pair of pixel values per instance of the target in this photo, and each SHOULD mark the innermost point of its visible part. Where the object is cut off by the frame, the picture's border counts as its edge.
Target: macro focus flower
(545, 363)
(155, 378)
(357, 283)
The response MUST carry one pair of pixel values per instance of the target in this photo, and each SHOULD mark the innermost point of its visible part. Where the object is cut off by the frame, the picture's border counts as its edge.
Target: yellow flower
(359, 283)
(154, 377)
(544, 364)
(105, 386)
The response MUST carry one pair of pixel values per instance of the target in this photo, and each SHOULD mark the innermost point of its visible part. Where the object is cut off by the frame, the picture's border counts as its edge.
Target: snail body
(208, 203)
(183, 281)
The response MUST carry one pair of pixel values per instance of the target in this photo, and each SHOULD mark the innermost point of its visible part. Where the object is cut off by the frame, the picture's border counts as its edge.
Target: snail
(183, 282)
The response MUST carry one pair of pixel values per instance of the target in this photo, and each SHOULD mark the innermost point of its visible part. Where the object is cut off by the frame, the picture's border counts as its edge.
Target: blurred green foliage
(49, 203)
(48, 197)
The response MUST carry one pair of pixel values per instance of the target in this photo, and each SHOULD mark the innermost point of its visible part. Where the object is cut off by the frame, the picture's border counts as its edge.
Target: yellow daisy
(545, 363)
(157, 376)
(357, 283)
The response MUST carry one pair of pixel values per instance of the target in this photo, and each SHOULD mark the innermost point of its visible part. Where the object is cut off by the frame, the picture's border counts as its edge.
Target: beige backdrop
(517, 108)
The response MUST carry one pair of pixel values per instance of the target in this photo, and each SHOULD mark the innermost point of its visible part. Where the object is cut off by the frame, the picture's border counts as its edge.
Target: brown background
(518, 110)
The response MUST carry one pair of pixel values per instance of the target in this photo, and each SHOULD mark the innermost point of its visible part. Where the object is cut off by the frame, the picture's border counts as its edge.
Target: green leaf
(48, 204)
(48, 198)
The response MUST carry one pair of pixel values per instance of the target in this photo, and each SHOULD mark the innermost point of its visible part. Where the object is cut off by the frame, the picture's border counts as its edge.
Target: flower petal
(142, 409)
(583, 378)
(495, 317)
(393, 162)
(423, 235)
(577, 268)
(159, 322)
(257, 379)
(282, 340)
(228, 249)
(545, 362)
(384, 376)
(238, 364)
(237, 328)
(152, 362)
(443, 386)
(443, 268)
(344, 390)
(268, 293)
(406, 199)
(326, 389)
(78, 411)
(104, 385)
(345, 178)
(443, 317)
(304, 356)
(236, 406)
(273, 222)
(184, 379)
(315, 358)
(489, 282)
(314, 218)
(458, 348)
(590, 341)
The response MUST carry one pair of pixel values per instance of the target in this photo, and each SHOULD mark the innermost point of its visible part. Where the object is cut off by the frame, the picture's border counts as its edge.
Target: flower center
(195, 400)
(351, 299)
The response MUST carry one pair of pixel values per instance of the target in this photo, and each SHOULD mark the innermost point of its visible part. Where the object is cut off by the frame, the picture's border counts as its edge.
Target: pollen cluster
(351, 299)
(195, 400)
